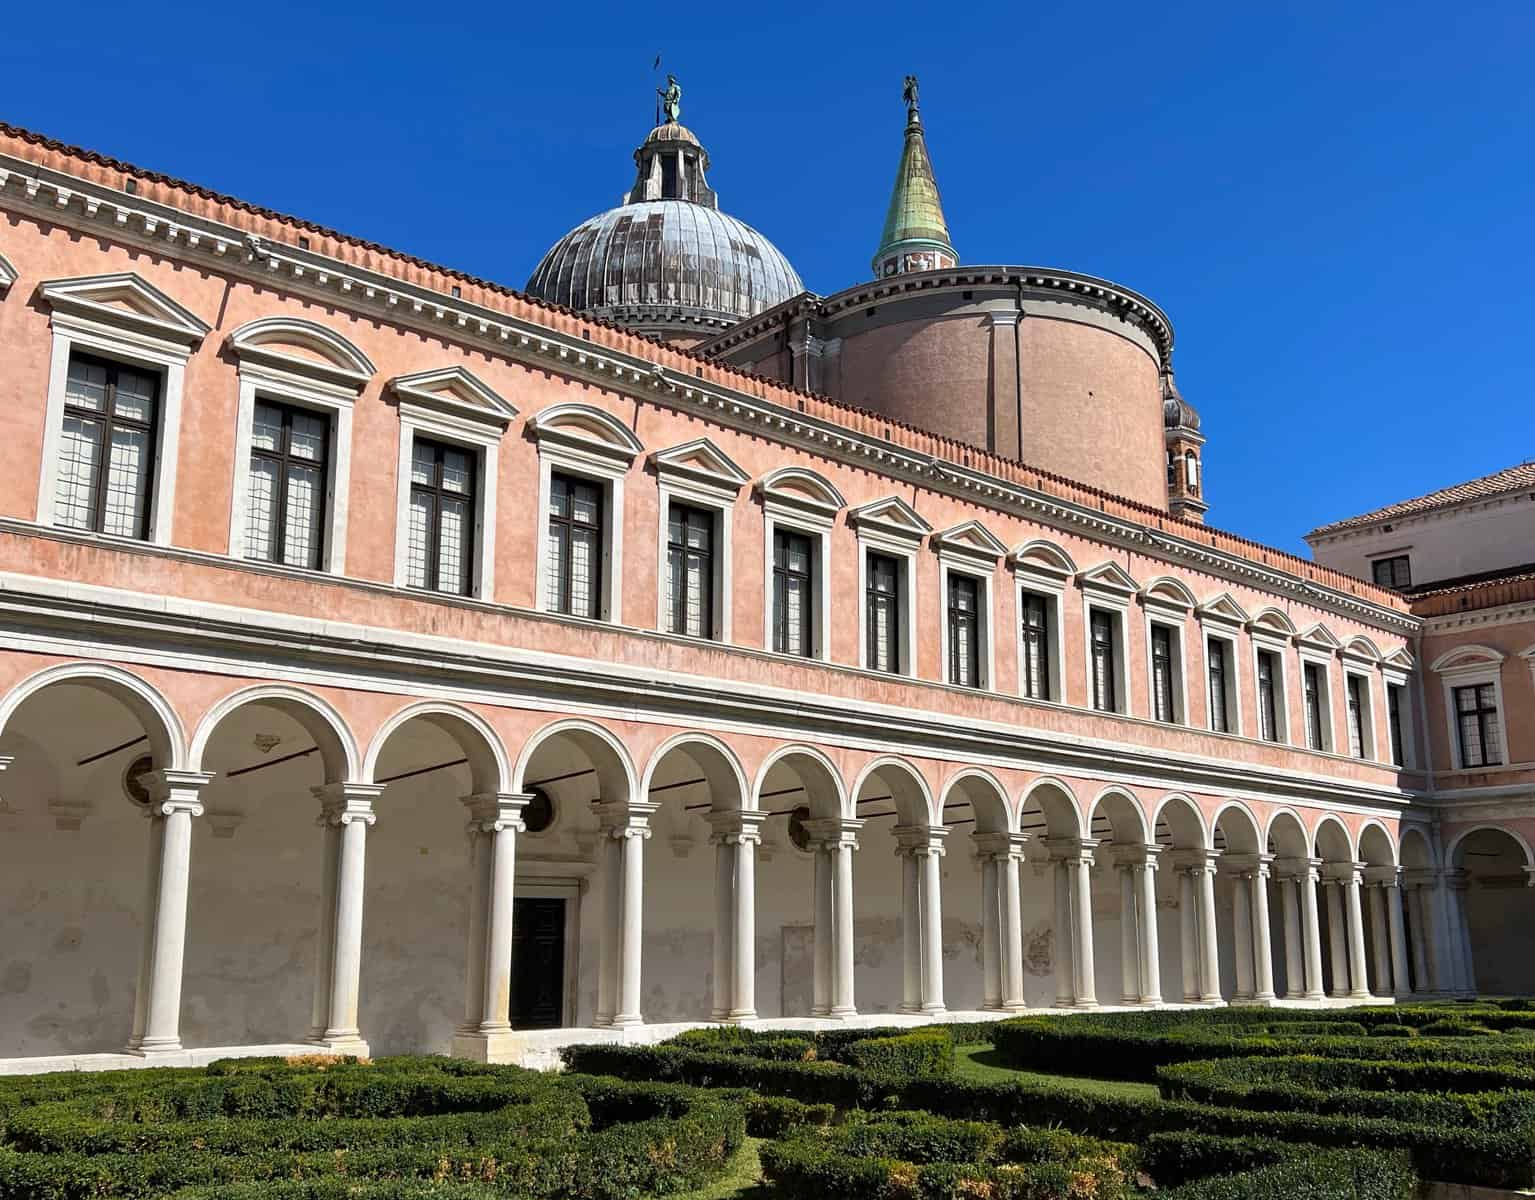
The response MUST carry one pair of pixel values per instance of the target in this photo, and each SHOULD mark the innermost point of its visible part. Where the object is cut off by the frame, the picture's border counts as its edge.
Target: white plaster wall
(1445, 545)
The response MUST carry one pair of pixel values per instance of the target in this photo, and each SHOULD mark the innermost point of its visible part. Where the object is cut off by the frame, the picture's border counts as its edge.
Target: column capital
(1000, 846)
(1344, 872)
(834, 833)
(6, 760)
(1135, 854)
(1004, 318)
(492, 812)
(1194, 861)
(625, 818)
(173, 791)
(1420, 877)
(1247, 866)
(1458, 880)
(1385, 876)
(735, 827)
(1071, 849)
(919, 840)
(1297, 868)
(346, 803)
(1529, 876)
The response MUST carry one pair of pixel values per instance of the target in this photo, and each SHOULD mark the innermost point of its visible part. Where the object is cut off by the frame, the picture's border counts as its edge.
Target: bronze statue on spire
(909, 94)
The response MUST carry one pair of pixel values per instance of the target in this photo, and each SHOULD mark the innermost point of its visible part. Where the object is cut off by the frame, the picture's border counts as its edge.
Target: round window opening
(538, 815)
(133, 780)
(798, 834)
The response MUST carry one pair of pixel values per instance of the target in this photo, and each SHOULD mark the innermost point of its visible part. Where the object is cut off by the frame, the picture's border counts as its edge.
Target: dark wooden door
(538, 963)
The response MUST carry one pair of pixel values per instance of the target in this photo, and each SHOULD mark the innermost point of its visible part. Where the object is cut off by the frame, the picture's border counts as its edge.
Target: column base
(345, 1044)
(1004, 1007)
(626, 1021)
(736, 1015)
(1213, 1001)
(1263, 999)
(1146, 1002)
(153, 1048)
(488, 1047)
(1361, 995)
(1090, 1003)
(840, 1014)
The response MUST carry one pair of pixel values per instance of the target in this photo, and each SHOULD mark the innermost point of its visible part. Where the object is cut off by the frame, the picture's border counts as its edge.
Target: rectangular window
(574, 567)
(1268, 693)
(1357, 708)
(1220, 718)
(289, 466)
(793, 593)
(440, 548)
(107, 451)
(882, 620)
(1394, 572)
(1311, 678)
(1103, 656)
(1394, 720)
(1162, 667)
(964, 630)
(690, 570)
(1035, 666)
(1476, 716)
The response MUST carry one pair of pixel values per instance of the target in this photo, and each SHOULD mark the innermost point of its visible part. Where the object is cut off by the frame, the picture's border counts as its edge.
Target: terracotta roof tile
(1510, 479)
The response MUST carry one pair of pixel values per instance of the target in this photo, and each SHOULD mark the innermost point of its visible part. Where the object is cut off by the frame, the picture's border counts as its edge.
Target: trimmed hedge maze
(1252, 1103)
(320, 1128)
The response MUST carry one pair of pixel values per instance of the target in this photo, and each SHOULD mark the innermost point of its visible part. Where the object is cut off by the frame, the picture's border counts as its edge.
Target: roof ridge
(1518, 476)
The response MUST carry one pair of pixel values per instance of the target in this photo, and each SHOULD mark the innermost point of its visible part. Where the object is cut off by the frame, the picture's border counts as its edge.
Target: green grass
(984, 1065)
(742, 1179)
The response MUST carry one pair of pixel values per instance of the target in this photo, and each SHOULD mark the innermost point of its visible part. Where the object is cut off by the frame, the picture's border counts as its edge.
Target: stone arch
(986, 796)
(167, 737)
(1116, 817)
(1376, 847)
(262, 337)
(1455, 852)
(1286, 834)
(585, 423)
(337, 746)
(900, 784)
(1331, 842)
(1465, 655)
(489, 767)
(812, 484)
(578, 740)
(1416, 849)
(719, 767)
(1236, 826)
(815, 775)
(1177, 822)
(1170, 590)
(1046, 557)
(1059, 814)
(1275, 619)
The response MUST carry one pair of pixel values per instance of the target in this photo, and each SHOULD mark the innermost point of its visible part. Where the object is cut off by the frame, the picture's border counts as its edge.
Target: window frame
(284, 457)
(603, 526)
(898, 594)
(473, 554)
(1390, 560)
(1173, 636)
(1117, 649)
(1473, 672)
(980, 647)
(893, 528)
(710, 619)
(161, 344)
(1406, 746)
(814, 576)
(1271, 641)
(969, 549)
(1325, 709)
(1042, 569)
(1110, 588)
(1054, 645)
(1367, 713)
(109, 421)
(797, 512)
(1229, 642)
(1494, 719)
(699, 475)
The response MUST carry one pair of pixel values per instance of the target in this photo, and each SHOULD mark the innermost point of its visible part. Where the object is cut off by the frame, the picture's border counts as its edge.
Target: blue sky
(1333, 202)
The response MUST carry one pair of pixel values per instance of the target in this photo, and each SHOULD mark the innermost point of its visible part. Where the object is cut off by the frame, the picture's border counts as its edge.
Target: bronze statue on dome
(671, 99)
(909, 94)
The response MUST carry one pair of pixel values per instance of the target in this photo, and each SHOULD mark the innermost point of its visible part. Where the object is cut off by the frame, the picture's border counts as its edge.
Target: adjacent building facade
(393, 661)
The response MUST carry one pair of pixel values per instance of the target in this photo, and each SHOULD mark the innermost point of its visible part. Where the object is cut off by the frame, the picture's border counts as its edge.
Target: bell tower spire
(916, 236)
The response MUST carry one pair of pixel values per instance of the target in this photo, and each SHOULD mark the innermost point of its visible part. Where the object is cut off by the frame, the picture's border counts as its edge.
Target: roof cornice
(58, 196)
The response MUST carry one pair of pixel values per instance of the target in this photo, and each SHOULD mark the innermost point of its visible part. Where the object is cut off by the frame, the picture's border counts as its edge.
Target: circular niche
(538, 816)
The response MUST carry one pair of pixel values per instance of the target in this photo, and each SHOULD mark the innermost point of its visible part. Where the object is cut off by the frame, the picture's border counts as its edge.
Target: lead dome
(667, 261)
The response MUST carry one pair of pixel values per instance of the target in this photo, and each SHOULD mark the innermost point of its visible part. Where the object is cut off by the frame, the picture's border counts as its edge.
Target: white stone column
(1001, 918)
(835, 840)
(1380, 934)
(923, 846)
(823, 913)
(1401, 981)
(1210, 965)
(1424, 967)
(495, 820)
(1064, 971)
(627, 825)
(348, 809)
(1145, 872)
(174, 801)
(736, 835)
(1188, 934)
(610, 867)
(1294, 949)
(1337, 935)
(1076, 855)
(1311, 929)
(325, 940)
(1263, 941)
(1458, 882)
(1129, 941)
(1242, 935)
(1359, 988)
(911, 931)
(479, 901)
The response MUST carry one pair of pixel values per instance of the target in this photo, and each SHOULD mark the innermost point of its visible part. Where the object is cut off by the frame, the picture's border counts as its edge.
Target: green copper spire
(916, 236)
